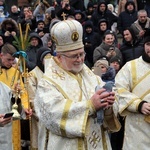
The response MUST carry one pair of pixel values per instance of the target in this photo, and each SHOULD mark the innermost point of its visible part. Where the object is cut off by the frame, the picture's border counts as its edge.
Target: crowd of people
(70, 49)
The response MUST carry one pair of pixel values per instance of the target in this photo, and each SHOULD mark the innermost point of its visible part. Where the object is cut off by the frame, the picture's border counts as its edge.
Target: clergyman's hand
(99, 99)
(28, 112)
(146, 109)
(4, 121)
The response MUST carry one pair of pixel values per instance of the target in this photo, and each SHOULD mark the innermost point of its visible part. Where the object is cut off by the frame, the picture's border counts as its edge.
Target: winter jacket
(103, 49)
(97, 15)
(131, 51)
(32, 52)
(126, 18)
(14, 28)
(91, 41)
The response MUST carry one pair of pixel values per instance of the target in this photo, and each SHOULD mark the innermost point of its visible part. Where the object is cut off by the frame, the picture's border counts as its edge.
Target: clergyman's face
(73, 60)
(147, 48)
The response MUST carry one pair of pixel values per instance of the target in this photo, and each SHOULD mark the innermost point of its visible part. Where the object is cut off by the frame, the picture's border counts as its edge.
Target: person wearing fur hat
(133, 99)
(9, 29)
(66, 102)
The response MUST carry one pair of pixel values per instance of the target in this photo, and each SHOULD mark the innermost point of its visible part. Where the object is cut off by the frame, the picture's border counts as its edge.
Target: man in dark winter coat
(35, 44)
(9, 29)
(132, 47)
(14, 13)
(127, 17)
(91, 41)
(102, 12)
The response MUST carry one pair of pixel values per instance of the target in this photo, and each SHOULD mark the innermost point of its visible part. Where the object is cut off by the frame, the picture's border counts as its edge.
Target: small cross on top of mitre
(64, 16)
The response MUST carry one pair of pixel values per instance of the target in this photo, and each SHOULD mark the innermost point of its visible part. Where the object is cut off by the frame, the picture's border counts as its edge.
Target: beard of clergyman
(146, 57)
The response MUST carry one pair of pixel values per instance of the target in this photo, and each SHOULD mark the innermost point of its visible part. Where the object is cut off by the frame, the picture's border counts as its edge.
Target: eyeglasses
(76, 56)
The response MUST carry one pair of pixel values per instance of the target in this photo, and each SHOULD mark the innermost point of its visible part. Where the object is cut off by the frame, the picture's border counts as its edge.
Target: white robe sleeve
(126, 99)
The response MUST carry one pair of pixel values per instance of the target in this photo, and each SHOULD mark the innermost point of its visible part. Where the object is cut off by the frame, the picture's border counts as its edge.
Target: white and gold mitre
(67, 35)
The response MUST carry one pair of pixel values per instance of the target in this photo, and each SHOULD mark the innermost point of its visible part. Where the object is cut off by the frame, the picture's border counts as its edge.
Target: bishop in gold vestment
(67, 113)
(66, 102)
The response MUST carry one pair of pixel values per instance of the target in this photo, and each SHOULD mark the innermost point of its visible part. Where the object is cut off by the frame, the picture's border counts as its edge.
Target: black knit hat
(130, 2)
(116, 59)
(90, 4)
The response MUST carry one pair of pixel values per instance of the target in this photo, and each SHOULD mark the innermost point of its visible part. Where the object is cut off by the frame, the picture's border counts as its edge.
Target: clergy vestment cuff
(92, 110)
(140, 106)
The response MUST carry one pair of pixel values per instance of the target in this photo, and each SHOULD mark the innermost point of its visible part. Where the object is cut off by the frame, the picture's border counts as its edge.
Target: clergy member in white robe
(66, 101)
(133, 86)
(5, 124)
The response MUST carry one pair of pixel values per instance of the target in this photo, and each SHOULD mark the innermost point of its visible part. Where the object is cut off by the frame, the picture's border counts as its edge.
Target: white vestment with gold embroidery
(133, 85)
(62, 105)
(5, 107)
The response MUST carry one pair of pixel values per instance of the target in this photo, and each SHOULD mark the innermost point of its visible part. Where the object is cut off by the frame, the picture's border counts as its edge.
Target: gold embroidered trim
(133, 73)
(80, 144)
(66, 108)
(103, 139)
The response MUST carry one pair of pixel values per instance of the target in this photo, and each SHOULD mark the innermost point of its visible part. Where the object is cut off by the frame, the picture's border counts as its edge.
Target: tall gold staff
(22, 43)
